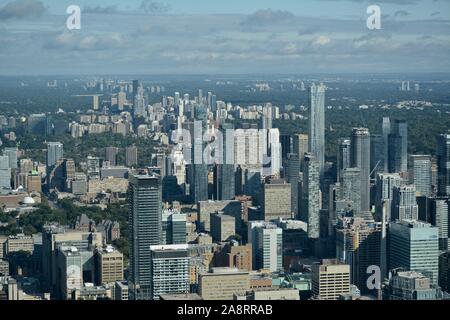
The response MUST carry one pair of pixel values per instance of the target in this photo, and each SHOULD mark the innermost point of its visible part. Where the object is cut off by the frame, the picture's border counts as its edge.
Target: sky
(223, 37)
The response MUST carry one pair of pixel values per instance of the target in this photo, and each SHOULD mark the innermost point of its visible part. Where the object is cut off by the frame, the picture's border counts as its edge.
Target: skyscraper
(224, 177)
(376, 154)
(173, 227)
(11, 153)
(404, 203)
(131, 156)
(145, 218)
(443, 161)
(385, 131)
(358, 243)
(398, 147)
(343, 157)
(351, 188)
(310, 196)
(293, 177)
(267, 243)
(420, 174)
(317, 124)
(54, 153)
(111, 155)
(384, 192)
(360, 158)
(439, 217)
(300, 145)
(414, 246)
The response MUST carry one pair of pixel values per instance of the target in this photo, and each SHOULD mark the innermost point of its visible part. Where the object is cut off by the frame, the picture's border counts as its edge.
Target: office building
(174, 229)
(410, 285)
(169, 270)
(276, 200)
(267, 245)
(414, 246)
(404, 203)
(330, 279)
(223, 227)
(223, 283)
(420, 174)
(108, 265)
(439, 218)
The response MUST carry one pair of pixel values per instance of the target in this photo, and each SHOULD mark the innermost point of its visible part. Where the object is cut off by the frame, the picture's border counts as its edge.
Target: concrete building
(276, 200)
(267, 243)
(233, 255)
(330, 280)
(222, 227)
(121, 290)
(228, 207)
(223, 283)
(410, 285)
(108, 265)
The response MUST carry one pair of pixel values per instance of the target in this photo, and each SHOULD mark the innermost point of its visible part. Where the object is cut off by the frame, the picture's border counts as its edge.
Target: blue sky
(233, 36)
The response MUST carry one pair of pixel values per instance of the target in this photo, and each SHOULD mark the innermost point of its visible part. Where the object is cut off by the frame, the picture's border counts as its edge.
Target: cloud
(268, 17)
(401, 13)
(76, 42)
(321, 41)
(19, 9)
(101, 10)
(153, 7)
(397, 2)
(435, 14)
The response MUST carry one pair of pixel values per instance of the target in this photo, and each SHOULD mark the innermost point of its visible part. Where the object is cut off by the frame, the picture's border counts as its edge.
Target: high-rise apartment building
(310, 196)
(443, 162)
(360, 158)
(169, 270)
(145, 219)
(317, 124)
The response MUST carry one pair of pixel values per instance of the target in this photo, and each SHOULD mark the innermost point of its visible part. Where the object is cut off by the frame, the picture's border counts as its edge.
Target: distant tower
(398, 147)
(54, 153)
(317, 124)
(343, 157)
